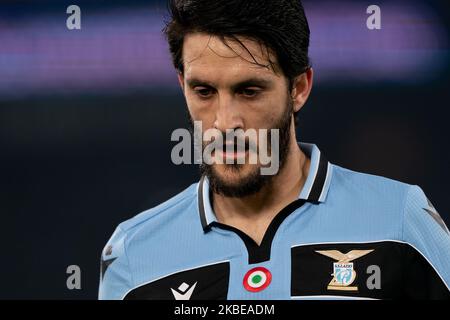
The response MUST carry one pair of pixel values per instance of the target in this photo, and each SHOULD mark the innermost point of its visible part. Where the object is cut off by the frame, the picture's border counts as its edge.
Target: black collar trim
(260, 253)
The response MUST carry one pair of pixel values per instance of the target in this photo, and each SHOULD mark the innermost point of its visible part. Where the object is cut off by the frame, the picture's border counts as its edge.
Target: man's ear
(302, 88)
(181, 80)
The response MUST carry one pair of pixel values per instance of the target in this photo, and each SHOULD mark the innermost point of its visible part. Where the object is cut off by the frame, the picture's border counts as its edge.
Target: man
(312, 230)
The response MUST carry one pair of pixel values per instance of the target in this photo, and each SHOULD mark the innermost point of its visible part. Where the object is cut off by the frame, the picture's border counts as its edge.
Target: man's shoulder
(377, 203)
(119, 257)
(178, 203)
(369, 184)
(370, 196)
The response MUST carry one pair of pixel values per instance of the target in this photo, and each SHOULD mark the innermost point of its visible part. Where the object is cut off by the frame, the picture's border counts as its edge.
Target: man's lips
(232, 151)
(232, 154)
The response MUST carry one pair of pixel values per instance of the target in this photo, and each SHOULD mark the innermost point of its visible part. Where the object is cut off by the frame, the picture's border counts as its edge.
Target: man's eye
(249, 92)
(203, 92)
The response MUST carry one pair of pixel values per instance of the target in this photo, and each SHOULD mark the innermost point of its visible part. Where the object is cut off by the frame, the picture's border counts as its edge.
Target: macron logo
(184, 292)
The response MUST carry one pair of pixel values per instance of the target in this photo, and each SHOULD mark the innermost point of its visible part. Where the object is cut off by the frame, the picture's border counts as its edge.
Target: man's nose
(228, 114)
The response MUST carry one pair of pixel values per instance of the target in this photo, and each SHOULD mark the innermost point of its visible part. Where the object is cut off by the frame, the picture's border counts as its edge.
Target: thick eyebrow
(251, 82)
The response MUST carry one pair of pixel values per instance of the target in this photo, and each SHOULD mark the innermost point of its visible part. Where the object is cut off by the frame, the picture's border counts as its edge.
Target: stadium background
(86, 117)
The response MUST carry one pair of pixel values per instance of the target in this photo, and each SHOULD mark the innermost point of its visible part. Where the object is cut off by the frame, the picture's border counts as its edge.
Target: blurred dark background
(86, 117)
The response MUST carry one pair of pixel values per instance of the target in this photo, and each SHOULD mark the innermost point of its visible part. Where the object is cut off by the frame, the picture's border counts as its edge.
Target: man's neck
(254, 213)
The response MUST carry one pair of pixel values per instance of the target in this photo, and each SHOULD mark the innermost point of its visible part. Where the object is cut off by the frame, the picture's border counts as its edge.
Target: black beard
(254, 182)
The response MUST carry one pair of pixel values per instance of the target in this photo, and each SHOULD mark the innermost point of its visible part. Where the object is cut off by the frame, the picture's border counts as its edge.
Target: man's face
(225, 90)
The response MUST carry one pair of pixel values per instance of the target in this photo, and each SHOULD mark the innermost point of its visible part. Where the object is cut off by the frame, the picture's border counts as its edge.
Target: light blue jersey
(349, 235)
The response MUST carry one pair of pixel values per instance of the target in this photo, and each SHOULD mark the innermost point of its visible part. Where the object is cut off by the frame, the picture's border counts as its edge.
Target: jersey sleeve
(115, 275)
(427, 260)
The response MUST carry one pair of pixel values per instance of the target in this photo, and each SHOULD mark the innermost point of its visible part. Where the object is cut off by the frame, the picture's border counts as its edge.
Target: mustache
(233, 140)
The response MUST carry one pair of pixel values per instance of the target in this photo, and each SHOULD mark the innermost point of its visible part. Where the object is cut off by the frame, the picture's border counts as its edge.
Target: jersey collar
(315, 189)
